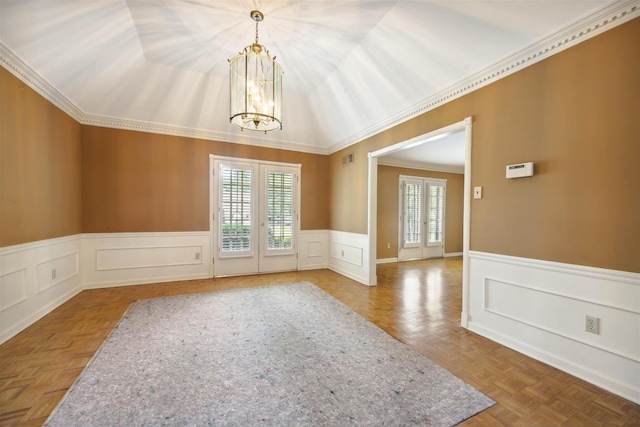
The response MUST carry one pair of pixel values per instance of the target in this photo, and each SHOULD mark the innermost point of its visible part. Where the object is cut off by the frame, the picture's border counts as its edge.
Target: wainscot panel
(313, 251)
(539, 308)
(349, 255)
(117, 259)
(36, 278)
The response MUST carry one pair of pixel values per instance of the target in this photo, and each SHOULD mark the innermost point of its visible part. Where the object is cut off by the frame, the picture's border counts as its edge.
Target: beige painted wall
(137, 181)
(59, 178)
(40, 168)
(575, 115)
(388, 208)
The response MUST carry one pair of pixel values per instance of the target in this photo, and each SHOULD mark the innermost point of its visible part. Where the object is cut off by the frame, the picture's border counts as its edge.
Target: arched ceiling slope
(351, 68)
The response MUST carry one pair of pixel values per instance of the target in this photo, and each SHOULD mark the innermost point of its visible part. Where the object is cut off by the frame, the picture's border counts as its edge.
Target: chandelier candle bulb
(256, 87)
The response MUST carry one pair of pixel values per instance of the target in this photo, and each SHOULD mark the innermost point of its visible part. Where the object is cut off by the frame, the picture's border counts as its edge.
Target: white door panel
(235, 217)
(255, 219)
(278, 218)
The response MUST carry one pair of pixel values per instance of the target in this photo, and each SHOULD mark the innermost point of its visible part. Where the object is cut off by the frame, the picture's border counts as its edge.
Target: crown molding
(35, 81)
(23, 71)
(164, 129)
(605, 19)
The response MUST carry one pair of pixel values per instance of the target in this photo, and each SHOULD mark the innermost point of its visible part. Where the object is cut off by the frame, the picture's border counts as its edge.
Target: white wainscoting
(35, 278)
(117, 259)
(349, 255)
(313, 249)
(538, 308)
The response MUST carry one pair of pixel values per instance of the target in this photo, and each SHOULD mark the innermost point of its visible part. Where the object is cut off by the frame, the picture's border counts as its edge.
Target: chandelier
(256, 87)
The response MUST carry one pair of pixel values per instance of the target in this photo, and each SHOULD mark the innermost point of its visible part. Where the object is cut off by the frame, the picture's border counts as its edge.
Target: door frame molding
(212, 235)
(372, 215)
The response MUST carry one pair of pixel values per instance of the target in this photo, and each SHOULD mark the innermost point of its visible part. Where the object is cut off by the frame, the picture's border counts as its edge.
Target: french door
(255, 218)
(422, 215)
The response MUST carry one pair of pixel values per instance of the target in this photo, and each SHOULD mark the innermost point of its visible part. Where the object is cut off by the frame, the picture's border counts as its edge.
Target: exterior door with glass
(421, 218)
(255, 219)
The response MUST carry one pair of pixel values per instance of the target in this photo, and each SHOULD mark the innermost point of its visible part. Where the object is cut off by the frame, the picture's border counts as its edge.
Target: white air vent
(347, 160)
(520, 170)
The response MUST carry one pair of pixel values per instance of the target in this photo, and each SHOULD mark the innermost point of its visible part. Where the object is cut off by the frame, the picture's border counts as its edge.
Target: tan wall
(388, 208)
(137, 181)
(575, 115)
(40, 168)
(348, 191)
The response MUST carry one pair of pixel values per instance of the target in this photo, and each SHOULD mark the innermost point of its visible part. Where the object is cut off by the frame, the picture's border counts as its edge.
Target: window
(280, 210)
(236, 201)
(435, 214)
(412, 215)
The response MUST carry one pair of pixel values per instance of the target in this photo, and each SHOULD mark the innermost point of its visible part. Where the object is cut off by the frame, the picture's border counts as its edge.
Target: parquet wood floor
(418, 302)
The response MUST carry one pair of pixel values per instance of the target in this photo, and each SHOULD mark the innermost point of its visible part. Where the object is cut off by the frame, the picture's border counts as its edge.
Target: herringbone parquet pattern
(418, 302)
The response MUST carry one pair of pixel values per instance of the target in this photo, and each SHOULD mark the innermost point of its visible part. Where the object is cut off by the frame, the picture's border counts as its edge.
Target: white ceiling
(444, 154)
(351, 67)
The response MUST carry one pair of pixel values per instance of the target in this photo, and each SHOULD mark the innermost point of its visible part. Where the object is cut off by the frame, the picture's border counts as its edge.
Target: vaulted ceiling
(351, 67)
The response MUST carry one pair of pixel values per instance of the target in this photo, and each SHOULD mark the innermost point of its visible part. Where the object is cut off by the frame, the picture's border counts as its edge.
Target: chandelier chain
(257, 32)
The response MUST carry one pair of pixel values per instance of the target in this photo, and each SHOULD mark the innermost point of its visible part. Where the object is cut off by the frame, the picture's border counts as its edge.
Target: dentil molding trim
(605, 19)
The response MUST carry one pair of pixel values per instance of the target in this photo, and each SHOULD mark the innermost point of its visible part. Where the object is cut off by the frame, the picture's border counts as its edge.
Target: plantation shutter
(236, 209)
(412, 213)
(280, 210)
(435, 213)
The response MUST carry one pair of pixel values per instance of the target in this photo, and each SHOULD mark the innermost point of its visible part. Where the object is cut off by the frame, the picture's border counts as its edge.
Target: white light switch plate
(477, 192)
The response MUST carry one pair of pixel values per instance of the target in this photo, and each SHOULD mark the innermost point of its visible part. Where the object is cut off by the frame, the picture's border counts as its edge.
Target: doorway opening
(462, 126)
(421, 217)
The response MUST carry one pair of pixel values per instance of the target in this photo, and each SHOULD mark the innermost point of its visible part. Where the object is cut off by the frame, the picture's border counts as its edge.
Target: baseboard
(625, 390)
(452, 254)
(386, 260)
(147, 281)
(30, 319)
(349, 274)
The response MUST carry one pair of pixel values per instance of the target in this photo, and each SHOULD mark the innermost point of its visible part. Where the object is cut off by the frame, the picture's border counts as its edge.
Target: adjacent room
(319, 213)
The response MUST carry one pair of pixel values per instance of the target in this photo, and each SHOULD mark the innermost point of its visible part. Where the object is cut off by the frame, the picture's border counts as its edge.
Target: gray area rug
(276, 356)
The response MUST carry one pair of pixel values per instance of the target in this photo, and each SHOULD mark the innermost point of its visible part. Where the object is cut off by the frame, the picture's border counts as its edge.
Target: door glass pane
(412, 213)
(280, 210)
(436, 213)
(235, 233)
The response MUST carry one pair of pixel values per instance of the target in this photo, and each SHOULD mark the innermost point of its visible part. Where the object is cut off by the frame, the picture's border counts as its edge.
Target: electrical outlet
(592, 324)
(388, 245)
(197, 256)
(53, 274)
